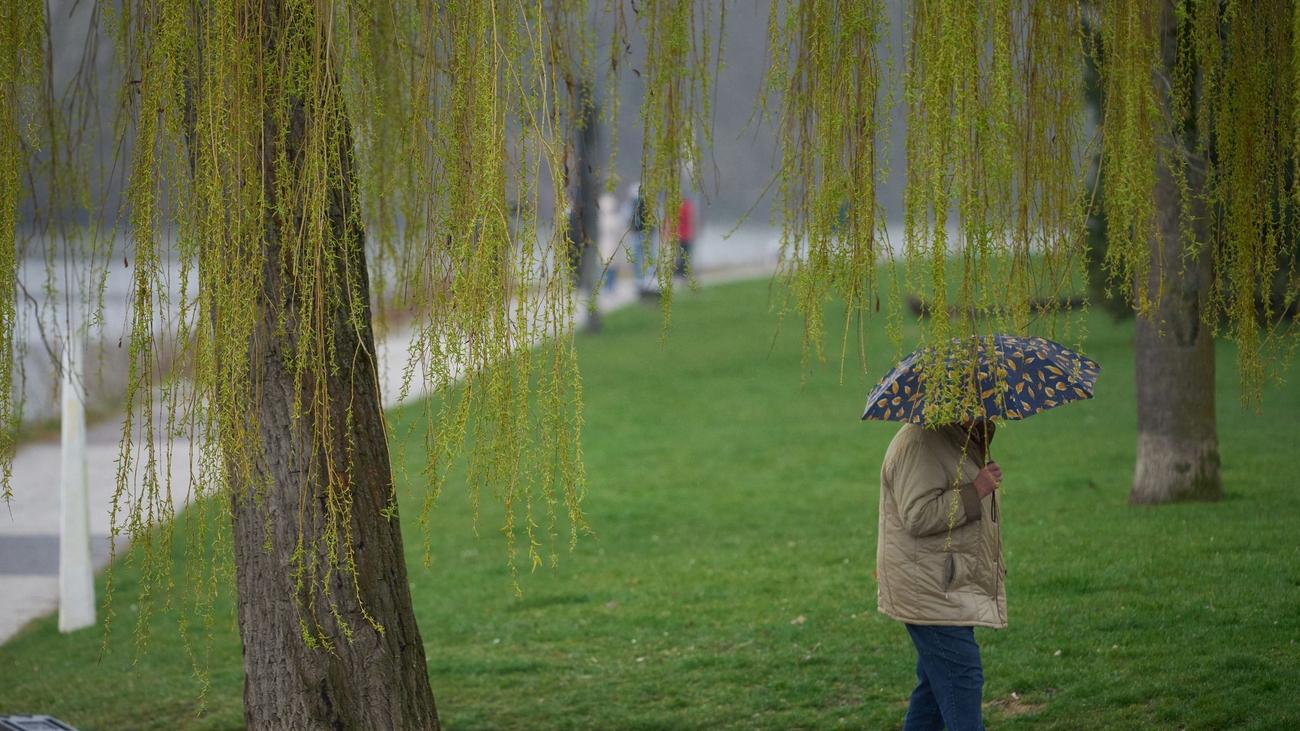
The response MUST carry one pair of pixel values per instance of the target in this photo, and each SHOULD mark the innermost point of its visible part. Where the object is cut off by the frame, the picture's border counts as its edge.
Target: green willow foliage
(993, 94)
(451, 146)
(1129, 149)
(1211, 91)
(832, 113)
(681, 62)
(21, 75)
(447, 118)
(440, 117)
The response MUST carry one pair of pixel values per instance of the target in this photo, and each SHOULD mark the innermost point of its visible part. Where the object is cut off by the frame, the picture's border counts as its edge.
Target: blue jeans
(950, 680)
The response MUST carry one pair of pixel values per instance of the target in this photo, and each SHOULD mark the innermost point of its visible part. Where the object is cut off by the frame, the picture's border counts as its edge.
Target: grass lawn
(731, 582)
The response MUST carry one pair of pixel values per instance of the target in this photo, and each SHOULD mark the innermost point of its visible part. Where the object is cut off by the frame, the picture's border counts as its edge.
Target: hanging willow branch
(476, 119)
(438, 120)
(1129, 152)
(994, 110)
(274, 159)
(22, 76)
(832, 117)
(679, 71)
(1208, 90)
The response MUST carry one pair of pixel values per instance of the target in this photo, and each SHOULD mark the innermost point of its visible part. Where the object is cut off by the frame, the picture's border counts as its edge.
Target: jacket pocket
(950, 571)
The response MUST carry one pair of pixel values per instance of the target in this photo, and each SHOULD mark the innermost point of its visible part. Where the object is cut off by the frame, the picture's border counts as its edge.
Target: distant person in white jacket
(607, 237)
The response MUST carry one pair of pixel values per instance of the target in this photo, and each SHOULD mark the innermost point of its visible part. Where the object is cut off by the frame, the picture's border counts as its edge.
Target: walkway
(29, 529)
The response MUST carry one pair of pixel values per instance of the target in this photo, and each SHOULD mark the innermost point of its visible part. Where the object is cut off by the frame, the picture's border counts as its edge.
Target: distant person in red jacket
(685, 235)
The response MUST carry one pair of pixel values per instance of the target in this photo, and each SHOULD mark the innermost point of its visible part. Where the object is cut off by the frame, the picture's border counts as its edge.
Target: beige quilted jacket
(929, 574)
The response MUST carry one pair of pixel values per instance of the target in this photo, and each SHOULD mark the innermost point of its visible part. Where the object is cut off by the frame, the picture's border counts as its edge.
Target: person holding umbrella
(939, 563)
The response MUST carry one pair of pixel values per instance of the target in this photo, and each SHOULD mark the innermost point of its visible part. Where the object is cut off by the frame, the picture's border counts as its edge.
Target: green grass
(731, 500)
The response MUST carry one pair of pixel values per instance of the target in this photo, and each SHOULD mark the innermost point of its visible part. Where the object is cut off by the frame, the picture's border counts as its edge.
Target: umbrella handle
(995, 504)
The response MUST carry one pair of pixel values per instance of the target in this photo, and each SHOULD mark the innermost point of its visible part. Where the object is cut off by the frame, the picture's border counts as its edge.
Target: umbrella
(1018, 377)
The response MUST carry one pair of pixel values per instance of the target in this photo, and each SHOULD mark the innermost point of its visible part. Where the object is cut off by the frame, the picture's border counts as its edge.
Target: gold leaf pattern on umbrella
(1017, 377)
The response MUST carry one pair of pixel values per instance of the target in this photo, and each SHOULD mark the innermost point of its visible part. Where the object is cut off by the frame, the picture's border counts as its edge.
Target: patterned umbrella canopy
(1018, 377)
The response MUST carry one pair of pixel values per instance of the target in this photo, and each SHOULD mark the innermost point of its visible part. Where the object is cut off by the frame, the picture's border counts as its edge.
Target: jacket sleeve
(924, 494)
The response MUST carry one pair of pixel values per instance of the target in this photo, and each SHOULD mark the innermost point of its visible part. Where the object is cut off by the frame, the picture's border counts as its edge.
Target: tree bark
(352, 675)
(1178, 445)
(589, 275)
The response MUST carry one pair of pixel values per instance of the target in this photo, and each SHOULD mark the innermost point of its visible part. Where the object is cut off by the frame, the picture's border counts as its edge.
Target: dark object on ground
(1036, 306)
(33, 723)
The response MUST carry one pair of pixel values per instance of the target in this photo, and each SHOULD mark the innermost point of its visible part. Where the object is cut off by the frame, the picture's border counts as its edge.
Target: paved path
(29, 527)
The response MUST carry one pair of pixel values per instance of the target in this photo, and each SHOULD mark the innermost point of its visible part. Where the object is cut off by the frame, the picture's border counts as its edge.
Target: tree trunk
(351, 675)
(1178, 444)
(590, 269)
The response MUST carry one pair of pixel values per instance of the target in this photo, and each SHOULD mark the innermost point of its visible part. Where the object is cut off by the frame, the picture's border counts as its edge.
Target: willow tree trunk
(356, 676)
(589, 276)
(1178, 444)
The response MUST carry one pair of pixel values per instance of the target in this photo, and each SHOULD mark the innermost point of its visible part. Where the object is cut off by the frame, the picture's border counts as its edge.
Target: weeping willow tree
(310, 164)
(1199, 165)
(293, 165)
(1199, 178)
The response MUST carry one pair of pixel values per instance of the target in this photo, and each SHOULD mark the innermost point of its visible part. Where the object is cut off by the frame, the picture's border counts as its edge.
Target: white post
(76, 575)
